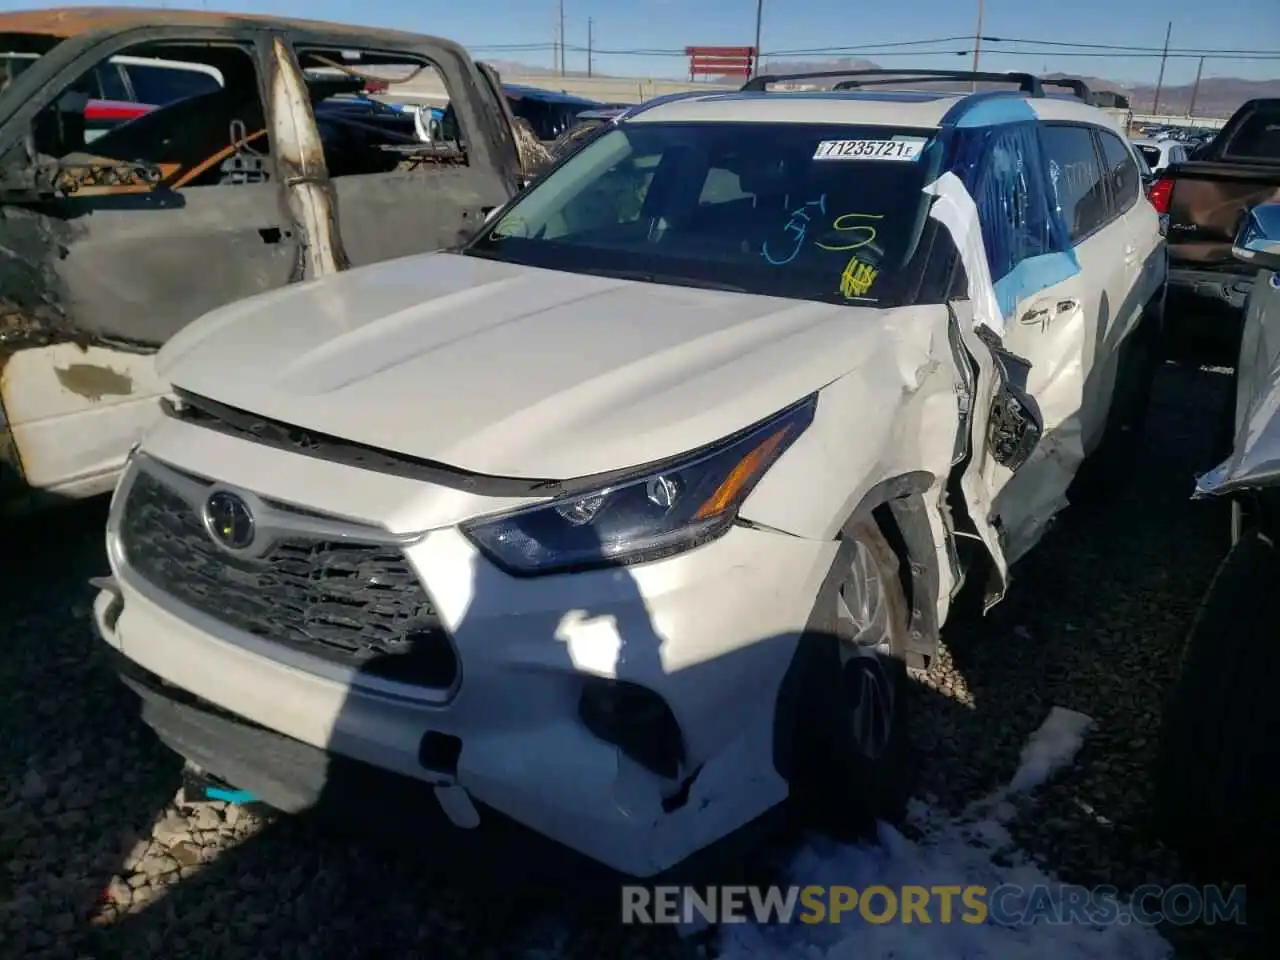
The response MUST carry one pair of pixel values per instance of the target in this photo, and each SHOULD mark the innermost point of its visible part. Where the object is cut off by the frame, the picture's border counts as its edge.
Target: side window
(1258, 138)
(159, 85)
(111, 83)
(1123, 176)
(1076, 178)
(721, 186)
(363, 135)
(218, 137)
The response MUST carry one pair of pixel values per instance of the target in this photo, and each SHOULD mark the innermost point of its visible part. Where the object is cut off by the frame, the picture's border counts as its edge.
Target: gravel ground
(99, 858)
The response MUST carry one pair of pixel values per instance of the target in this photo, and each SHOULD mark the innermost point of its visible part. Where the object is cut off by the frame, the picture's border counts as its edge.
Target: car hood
(515, 371)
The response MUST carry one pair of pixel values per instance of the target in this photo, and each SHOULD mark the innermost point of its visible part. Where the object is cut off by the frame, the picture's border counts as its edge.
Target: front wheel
(847, 748)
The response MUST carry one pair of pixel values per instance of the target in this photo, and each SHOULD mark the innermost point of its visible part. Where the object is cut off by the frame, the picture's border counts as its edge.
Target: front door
(396, 195)
(130, 238)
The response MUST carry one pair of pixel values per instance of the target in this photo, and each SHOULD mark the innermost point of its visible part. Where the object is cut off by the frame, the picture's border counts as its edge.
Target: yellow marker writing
(845, 224)
(857, 278)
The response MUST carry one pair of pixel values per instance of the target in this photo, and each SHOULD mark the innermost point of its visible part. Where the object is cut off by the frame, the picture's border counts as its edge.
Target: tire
(1106, 469)
(844, 774)
(1215, 786)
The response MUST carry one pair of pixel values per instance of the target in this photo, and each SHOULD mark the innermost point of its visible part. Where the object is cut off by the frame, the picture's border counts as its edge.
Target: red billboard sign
(720, 61)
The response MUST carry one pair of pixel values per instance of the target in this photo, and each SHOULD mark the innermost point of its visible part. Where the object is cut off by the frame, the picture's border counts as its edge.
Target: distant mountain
(1217, 96)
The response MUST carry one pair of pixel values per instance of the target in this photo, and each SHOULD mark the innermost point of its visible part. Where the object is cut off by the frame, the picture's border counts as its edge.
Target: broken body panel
(102, 261)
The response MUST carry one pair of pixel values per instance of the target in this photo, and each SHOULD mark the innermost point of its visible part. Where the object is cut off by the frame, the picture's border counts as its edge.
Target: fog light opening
(635, 720)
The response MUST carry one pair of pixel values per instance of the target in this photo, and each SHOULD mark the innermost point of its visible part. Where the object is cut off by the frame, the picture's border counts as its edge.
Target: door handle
(1130, 254)
(1039, 316)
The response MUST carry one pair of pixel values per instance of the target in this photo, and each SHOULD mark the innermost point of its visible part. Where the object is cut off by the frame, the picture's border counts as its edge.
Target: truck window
(164, 84)
(363, 129)
(1258, 138)
(217, 137)
(111, 82)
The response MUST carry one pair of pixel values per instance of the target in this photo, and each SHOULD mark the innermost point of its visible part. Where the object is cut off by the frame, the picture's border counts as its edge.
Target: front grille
(355, 605)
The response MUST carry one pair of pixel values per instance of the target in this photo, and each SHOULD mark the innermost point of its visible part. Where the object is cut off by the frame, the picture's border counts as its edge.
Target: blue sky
(487, 26)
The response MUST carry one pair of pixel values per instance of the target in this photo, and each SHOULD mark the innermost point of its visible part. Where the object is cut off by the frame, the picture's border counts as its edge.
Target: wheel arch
(897, 507)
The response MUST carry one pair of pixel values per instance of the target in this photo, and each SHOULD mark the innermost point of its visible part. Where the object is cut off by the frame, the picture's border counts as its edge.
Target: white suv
(625, 520)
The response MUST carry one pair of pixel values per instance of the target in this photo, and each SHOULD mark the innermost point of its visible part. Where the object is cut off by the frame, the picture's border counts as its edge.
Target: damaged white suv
(624, 521)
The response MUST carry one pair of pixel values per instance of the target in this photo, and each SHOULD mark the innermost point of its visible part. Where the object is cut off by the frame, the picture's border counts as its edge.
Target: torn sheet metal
(1013, 498)
(956, 211)
(1255, 455)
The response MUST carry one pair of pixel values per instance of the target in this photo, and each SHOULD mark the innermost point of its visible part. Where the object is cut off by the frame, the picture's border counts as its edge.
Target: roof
(69, 21)
(550, 96)
(904, 108)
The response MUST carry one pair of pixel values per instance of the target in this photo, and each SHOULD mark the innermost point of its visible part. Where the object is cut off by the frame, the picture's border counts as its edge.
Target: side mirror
(1257, 242)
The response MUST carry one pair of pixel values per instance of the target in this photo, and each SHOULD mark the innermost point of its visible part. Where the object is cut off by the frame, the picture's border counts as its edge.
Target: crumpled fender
(1255, 455)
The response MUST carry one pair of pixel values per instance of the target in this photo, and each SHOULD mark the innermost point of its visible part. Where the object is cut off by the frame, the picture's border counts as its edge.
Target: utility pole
(589, 46)
(755, 60)
(1195, 90)
(977, 43)
(562, 38)
(1155, 106)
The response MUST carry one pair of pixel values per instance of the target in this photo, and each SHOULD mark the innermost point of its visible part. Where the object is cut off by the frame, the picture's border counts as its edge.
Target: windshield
(826, 212)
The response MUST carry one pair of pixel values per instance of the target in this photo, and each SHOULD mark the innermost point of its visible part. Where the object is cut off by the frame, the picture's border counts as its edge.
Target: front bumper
(372, 803)
(715, 630)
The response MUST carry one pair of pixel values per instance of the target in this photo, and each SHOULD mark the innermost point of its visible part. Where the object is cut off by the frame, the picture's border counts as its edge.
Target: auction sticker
(899, 148)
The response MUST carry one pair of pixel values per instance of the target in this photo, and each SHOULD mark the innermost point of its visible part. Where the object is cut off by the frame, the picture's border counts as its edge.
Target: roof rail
(639, 108)
(1078, 87)
(1028, 83)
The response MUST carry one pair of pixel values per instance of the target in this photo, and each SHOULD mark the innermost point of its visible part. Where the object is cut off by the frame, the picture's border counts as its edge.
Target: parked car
(549, 112)
(109, 248)
(1205, 200)
(1161, 154)
(586, 125)
(1215, 786)
(623, 522)
(123, 87)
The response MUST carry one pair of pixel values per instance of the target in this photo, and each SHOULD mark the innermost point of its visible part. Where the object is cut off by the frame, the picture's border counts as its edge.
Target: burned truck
(110, 245)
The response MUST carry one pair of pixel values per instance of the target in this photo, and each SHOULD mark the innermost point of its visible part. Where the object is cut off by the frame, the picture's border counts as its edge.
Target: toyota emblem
(229, 520)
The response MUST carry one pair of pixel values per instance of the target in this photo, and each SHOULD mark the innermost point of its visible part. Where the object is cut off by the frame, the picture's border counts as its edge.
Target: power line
(1023, 47)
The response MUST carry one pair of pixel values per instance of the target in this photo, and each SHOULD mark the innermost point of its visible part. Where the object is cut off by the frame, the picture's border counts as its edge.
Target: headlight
(665, 510)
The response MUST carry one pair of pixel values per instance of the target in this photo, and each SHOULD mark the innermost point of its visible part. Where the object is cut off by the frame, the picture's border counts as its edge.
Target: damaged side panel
(74, 411)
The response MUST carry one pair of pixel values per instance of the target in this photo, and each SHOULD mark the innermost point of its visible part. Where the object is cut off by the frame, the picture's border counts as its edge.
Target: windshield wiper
(646, 276)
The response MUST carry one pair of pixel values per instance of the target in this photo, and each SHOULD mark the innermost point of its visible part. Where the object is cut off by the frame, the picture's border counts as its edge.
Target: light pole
(755, 60)
(977, 43)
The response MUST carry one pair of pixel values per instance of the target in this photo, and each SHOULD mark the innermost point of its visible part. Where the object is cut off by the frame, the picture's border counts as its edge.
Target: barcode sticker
(904, 148)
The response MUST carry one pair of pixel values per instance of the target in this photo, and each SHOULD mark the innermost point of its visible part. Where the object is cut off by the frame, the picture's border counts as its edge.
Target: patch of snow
(952, 851)
(1050, 748)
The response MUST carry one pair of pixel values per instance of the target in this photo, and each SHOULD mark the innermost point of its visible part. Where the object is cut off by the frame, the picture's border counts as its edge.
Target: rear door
(1143, 250)
(1060, 332)
(396, 195)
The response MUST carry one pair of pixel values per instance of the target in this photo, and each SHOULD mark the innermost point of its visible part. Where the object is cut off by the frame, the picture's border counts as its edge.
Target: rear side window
(1076, 177)
(159, 86)
(110, 82)
(1258, 138)
(1122, 172)
(1151, 155)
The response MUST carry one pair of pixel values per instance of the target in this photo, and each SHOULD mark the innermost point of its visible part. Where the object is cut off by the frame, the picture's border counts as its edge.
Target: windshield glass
(809, 211)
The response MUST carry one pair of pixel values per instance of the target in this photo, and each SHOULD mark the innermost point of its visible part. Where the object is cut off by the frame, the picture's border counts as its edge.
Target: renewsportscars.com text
(1006, 905)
